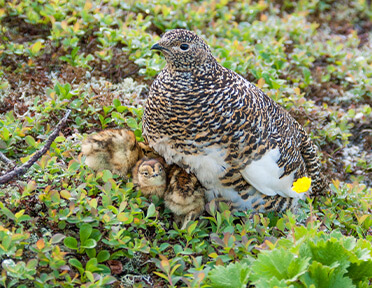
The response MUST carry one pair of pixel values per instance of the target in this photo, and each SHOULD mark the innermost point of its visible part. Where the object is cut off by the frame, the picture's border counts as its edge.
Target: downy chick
(149, 176)
(113, 149)
(182, 192)
(184, 196)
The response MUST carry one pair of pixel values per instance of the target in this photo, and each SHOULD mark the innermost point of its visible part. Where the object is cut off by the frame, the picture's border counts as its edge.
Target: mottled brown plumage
(113, 149)
(240, 144)
(184, 196)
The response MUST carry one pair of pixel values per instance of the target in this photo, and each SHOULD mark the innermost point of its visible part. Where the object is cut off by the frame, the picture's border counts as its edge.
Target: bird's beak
(156, 47)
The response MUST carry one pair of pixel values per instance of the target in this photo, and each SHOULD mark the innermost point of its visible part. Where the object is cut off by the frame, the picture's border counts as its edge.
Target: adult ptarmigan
(241, 145)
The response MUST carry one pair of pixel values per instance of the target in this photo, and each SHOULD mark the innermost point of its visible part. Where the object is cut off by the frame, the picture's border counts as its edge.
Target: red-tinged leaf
(40, 244)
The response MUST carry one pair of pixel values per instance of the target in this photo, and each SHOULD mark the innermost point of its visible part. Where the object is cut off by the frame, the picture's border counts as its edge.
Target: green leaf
(322, 276)
(76, 263)
(92, 265)
(30, 141)
(278, 263)
(116, 103)
(106, 175)
(70, 242)
(36, 47)
(7, 212)
(92, 253)
(90, 243)
(330, 253)
(32, 264)
(107, 280)
(85, 231)
(235, 275)
(5, 134)
(151, 211)
(131, 122)
(360, 271)
(57, 238)
(103, 256)
(191, 228)
(89, 276)
(273, 282)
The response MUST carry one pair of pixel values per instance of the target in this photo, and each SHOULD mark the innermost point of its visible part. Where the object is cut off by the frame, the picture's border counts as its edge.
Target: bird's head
(151, 172)
(183, 49)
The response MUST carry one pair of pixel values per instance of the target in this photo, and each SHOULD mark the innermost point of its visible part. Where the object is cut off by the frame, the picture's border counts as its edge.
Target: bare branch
(7, 161)
(24, 167)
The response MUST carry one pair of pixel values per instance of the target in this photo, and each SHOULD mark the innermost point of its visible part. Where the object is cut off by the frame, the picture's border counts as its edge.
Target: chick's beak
(156, 47)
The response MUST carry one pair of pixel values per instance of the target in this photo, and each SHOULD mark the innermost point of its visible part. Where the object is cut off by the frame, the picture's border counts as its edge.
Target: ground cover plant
(62, 225)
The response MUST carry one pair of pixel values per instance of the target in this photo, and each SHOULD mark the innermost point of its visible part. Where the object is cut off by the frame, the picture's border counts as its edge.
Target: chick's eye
(184, 46)
(145, 173)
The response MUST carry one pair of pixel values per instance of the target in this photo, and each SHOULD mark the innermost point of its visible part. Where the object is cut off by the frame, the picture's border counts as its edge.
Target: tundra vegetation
(62, 225)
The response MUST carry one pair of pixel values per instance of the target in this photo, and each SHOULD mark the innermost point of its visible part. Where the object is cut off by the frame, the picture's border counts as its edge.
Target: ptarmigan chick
(149, 175)
(182, 192)
(113, 149)
(240, 144)
(184, 196)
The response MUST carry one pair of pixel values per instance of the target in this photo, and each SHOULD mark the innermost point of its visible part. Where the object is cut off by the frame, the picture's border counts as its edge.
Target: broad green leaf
(7, 212)
(92, 265)
(235, 275)
(329, 253)
(322, 276)
(32, 264)
(131, 122)
(360, 271)
(89, 243)
(76, 263)
(96, 235)
(103, 256)
(92, 253)
(70, 242)
(116, 102)
(30, 141)
(89, 276)
(273, 282)
(278, 263)
(106, 175)
(85, 231)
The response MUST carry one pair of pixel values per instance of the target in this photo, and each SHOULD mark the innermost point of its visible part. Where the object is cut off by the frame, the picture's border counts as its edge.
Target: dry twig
(18, 171)
(7, 161)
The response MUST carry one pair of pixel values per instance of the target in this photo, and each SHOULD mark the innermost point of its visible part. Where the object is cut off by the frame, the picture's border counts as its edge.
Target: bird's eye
(184, 47)
(145, 173)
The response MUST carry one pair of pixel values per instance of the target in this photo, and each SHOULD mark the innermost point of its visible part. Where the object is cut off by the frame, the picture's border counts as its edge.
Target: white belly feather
(262, 174)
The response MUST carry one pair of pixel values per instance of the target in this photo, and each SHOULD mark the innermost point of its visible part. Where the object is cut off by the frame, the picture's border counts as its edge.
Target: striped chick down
(113, 149)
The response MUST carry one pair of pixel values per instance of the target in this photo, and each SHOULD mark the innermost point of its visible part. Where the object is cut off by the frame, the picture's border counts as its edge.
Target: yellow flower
(302, 185)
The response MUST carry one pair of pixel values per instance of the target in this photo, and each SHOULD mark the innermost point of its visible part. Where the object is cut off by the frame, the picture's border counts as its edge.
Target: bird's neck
(194, 70)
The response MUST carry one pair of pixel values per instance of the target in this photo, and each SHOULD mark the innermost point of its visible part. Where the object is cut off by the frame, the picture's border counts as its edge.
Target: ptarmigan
(150, 177)
(112, 149)
(184, 196)
(241, 145)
